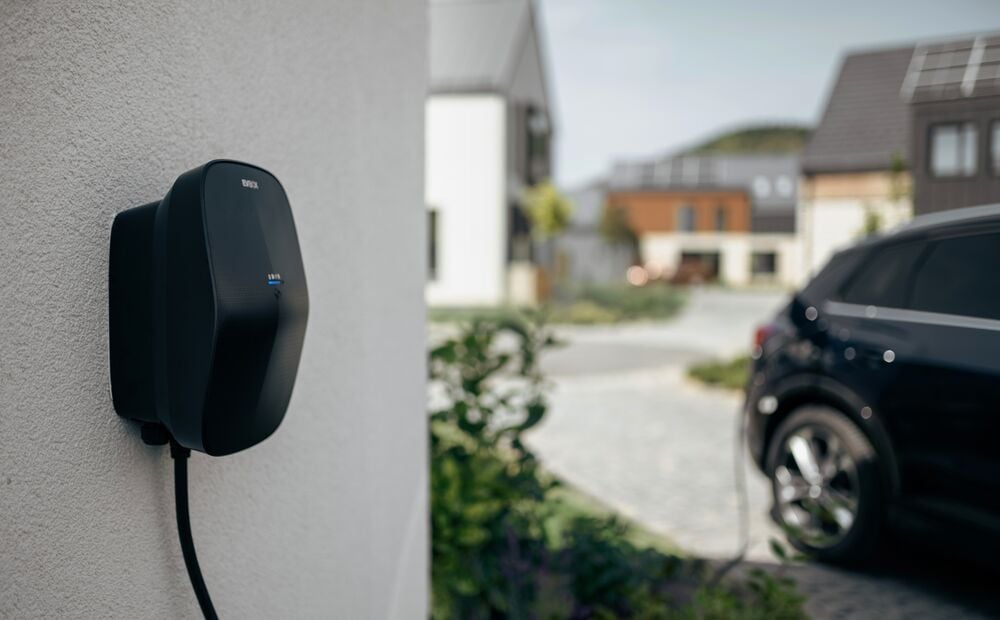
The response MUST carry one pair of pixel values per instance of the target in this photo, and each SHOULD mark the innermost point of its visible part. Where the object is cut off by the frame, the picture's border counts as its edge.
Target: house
(714, 217)
(953, 89)
(488, 137)
(855, 164)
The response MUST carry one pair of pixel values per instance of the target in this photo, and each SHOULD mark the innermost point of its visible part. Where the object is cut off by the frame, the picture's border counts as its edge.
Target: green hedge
(587, 305)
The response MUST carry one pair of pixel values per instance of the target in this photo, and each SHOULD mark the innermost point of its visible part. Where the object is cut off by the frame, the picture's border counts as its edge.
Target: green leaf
(778, 549)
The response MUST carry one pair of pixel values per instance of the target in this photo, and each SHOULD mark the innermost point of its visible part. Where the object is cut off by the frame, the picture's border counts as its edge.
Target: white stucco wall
(735, 251)
(465, 183)
(828, 225)
(102, 105)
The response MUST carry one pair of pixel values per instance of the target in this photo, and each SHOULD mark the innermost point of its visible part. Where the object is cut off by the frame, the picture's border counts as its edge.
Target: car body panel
(924, 386)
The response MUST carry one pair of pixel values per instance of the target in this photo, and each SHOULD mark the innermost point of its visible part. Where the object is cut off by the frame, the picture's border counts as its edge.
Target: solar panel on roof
(966, 68)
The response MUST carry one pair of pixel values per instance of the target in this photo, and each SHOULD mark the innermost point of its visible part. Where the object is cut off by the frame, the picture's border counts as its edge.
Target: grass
(731, 374)
(569, 503)
(591, 305)
(757, 139)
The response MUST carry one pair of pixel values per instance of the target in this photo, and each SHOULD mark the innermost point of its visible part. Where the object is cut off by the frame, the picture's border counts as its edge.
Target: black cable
(180, 455)
(742, 500)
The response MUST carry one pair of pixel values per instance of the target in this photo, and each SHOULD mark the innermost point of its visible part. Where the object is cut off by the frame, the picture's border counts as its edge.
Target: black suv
(875, 394)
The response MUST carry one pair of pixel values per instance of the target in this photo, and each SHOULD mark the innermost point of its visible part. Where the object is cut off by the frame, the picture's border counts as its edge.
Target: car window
(883, 278)
(961, 276)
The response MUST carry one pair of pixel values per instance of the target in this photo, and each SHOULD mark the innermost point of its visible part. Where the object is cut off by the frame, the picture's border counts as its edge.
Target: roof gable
(866, 122)
(479, 45)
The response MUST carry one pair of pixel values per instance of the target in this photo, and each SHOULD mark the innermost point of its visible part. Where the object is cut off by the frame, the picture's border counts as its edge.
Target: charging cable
(180, 455)
(742, 500)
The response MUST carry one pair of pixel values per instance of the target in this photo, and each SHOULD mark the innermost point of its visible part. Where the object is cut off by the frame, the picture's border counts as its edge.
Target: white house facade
(488, 129)
(855, 170)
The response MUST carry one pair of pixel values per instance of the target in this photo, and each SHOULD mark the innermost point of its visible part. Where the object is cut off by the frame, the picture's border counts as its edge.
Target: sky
(639, 78)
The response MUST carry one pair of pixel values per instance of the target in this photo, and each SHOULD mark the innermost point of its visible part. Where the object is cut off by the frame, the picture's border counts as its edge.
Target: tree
(872, 222)
(898, 181)
(547, 209)
(616, 230)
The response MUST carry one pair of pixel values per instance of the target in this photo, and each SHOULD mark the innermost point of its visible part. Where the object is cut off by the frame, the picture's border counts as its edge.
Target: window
(698, 267)
(995, 147)
(953, 150)
(884, 277)
(720, 217)
(519, 241)
(685, 219)
(960, 276)
(763, 263)
(783, 185)
(761, 187)
(432, 243)
(537, 155)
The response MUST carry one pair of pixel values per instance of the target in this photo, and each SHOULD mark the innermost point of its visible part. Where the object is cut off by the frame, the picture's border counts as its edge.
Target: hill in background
(760, 139)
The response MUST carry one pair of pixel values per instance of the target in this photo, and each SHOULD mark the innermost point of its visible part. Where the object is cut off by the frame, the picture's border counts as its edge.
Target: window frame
(774, 263)
(959, 124)
(433, 243)
(927, 243)
(762, 186)
(780, 181)
(678, 218)
(933, 244)
(721, 220)
(930, 240)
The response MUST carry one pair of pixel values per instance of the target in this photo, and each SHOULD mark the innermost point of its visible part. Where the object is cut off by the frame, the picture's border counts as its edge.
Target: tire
(832, 509)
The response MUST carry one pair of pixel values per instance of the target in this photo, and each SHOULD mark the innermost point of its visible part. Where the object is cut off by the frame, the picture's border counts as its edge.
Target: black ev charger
(208, 307)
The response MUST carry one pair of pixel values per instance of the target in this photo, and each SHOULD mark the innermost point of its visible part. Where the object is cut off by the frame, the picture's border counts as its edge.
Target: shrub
(505, 543)
(730, 374)
(486, 487)
(630, 303)
(586, 305)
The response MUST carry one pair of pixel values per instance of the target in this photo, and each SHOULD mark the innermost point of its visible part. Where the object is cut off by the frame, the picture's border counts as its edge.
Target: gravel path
(627, 427)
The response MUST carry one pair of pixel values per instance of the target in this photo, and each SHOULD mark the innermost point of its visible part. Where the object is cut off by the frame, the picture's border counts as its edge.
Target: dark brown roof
(866, 120)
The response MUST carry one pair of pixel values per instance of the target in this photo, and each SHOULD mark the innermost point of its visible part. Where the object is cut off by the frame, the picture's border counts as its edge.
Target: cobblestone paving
(627, 427)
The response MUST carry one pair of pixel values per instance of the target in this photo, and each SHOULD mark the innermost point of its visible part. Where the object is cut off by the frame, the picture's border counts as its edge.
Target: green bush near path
(731, 374)
(511, 541)
(588, 305)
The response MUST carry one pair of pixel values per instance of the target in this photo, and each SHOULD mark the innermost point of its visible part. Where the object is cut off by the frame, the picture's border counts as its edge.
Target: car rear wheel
(826, 485)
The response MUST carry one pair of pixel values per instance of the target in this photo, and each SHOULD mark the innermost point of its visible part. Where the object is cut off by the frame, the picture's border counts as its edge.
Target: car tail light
(763, 333)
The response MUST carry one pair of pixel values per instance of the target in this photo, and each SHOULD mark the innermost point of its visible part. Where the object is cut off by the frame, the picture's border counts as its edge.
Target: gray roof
(968, 67)
(474, 43)
(771, 181)
(866, 120)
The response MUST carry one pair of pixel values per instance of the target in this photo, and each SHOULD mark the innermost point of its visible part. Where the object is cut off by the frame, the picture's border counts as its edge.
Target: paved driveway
(627, 427)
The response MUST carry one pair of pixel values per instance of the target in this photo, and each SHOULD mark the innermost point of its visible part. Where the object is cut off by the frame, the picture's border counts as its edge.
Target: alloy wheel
(816, 486)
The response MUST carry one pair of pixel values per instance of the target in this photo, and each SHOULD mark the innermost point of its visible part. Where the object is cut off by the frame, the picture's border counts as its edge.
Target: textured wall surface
(101, 107)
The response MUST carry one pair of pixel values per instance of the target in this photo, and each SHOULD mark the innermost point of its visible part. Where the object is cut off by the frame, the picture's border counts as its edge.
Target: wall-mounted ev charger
(207, 307)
